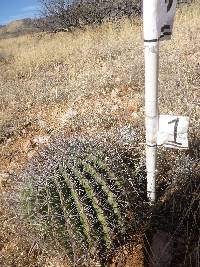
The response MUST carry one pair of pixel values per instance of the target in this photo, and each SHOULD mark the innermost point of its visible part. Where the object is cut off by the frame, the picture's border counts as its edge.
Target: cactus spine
(83, 204)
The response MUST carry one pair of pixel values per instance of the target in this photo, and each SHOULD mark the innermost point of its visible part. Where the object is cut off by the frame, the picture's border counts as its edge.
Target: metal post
(151, 97)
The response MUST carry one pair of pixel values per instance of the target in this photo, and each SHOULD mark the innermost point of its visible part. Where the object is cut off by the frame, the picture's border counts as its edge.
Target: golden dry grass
(60, 71)
(41, 51)
(15, 25)
(89, 81)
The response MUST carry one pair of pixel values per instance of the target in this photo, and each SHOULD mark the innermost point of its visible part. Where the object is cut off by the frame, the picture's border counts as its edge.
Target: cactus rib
(104, 167)
(63, 202)
(91, 195)
(110, 196)
(79, 207)
(52, 210)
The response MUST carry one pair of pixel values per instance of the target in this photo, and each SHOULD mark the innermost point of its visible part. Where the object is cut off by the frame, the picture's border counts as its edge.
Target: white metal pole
(151, 93)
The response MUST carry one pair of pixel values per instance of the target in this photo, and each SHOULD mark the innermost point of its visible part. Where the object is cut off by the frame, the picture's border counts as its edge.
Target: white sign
(161, 27)
(173, 131)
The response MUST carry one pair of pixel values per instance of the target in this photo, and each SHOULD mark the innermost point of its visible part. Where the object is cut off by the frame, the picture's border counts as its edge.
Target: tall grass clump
(83, 197)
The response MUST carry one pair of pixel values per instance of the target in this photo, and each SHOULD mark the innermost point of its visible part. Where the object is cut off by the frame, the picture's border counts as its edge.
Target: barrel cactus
(84, 197)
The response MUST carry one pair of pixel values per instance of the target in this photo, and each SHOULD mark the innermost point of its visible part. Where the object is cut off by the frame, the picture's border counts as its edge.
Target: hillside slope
(18, 27)
(91, 82)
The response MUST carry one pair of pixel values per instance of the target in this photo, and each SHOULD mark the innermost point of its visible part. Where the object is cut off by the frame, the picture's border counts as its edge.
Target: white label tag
(158, 19)
(173, 131)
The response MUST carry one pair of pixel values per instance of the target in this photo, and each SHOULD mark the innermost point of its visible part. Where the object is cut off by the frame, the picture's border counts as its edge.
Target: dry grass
(89, 81)
(17, 28)
(44, 51)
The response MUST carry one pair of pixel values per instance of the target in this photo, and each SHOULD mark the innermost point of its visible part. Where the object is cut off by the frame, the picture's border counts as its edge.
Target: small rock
(134, 115)
(125, 252)
(26, 145)
(40, 139)
(114, 93)
(24, 131)
(30, 154)
(71, 113)
(162, 248)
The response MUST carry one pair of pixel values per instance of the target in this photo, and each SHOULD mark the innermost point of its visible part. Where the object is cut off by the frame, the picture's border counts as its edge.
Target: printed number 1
(169, 2)
(176, 122)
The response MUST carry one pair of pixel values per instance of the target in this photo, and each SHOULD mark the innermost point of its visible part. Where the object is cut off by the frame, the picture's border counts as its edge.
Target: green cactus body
(79, 207)
(91, 195)
(110, 197)
(54, 211)
(80, 201)
(69, 222)
(99, 163)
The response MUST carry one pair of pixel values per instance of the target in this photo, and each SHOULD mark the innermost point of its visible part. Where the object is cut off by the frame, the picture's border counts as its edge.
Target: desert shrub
(85, 197)
(65, 15)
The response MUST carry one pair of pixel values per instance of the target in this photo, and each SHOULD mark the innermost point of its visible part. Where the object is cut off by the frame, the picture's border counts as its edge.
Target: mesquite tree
(63, 15)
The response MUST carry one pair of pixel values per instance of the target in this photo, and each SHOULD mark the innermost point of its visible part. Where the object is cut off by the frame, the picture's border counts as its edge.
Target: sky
(17, 9)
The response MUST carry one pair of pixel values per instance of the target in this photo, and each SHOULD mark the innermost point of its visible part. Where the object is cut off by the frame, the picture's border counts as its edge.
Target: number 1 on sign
(173, 131)
(176, 122)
